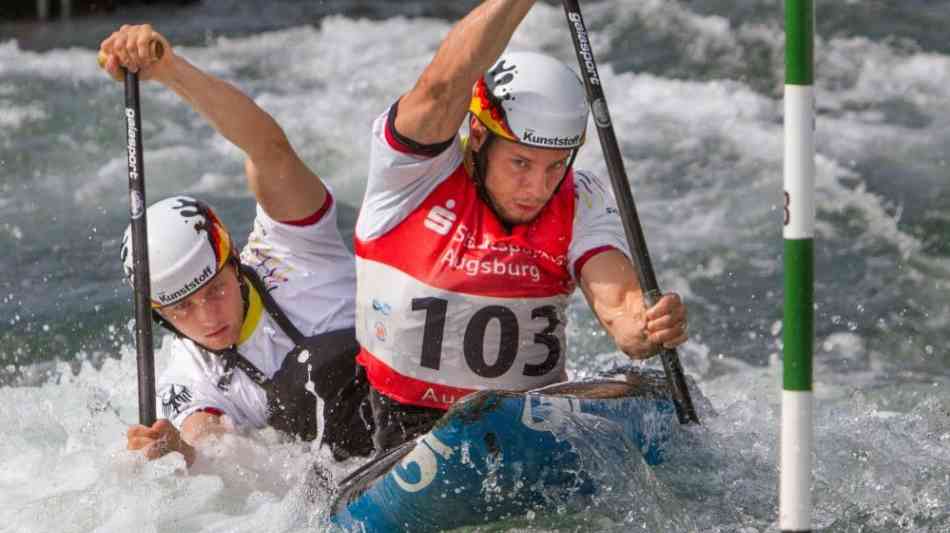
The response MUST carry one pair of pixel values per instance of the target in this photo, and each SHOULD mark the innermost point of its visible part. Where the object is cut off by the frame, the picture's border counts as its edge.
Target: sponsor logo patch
(381, 307)
(136, 205)
(440, 219)
(379, 329)
(532, 137)
(601, 115)
(166, 298)
(587, 55)
(132, 133)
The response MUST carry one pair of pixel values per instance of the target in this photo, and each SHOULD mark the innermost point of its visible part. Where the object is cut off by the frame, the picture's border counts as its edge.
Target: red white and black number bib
(449, 302)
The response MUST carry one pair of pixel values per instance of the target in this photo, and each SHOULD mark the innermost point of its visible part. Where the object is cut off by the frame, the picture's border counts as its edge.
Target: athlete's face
(520, 179)
(213, 316)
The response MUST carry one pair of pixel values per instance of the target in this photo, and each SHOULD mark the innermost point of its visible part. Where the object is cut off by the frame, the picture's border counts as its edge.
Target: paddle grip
(156, 49)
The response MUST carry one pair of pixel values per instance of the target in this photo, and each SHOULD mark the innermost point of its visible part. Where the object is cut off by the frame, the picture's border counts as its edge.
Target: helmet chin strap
(480, 167)
(245, 291)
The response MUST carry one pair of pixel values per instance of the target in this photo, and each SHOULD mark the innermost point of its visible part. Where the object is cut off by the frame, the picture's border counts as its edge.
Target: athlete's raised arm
(434, 109)
(282, 183)
(609, 281)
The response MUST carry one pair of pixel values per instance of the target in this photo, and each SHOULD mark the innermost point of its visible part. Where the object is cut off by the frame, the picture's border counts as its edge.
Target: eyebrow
(175, 306)
(529, 157)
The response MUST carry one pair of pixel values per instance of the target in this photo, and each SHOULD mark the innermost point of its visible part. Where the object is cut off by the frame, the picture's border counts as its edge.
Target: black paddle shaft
(628, 210)
(143, 311)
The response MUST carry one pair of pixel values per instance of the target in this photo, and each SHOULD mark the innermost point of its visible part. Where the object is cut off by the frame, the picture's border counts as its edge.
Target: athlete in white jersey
(266, 338)
(467, 252)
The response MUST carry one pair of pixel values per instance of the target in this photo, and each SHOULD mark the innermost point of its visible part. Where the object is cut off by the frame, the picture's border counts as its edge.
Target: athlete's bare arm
(282, 183)
(609, 281)
(163, 437)
(434, 109)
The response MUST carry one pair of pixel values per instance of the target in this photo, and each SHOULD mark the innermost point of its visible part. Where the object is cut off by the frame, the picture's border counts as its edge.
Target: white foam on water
(13, 116)
(62, 451)
(710, 35)
(862, 474)
(710, 139)
(59, 65)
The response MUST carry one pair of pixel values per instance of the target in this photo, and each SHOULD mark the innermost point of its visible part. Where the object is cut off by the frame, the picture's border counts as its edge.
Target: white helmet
(187, 246)
(532, 99)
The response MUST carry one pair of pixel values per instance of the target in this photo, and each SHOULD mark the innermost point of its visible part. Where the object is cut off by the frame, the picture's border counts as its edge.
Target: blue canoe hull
(497, 455)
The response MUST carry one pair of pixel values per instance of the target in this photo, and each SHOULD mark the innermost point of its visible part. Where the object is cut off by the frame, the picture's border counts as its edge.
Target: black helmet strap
(480, 167)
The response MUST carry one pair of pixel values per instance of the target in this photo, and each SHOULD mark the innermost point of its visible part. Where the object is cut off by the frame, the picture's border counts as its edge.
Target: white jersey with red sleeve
(449, 300)
(308, 270)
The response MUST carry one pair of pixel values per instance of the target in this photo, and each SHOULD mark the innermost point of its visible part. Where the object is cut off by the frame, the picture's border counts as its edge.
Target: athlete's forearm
(284, 186)
(623, 316)
(610, 284)
(231, 112)
(434, 109)
(196, 428)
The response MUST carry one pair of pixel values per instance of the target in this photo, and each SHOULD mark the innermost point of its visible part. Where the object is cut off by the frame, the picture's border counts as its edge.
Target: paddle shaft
(143, 311)
(628, 210)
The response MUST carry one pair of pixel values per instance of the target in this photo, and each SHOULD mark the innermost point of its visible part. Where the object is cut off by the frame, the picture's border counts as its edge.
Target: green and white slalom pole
(797, 439)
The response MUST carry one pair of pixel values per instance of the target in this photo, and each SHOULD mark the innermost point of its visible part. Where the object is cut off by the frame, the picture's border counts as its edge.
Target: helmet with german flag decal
(532, 99)
(187, 246)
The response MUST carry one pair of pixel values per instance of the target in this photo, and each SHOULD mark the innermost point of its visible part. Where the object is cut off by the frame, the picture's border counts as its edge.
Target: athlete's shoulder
(319, 226)
(400, 181)
(184, 359)
(585, 180)
(175, 347)
(312, 254)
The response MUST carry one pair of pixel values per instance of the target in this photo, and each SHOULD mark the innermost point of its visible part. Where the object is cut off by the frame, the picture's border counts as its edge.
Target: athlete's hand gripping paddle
(628, 211)
(142, 286)
(156, 50)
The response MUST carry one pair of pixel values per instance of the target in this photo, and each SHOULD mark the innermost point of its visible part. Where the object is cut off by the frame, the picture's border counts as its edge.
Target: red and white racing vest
(448, 301)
